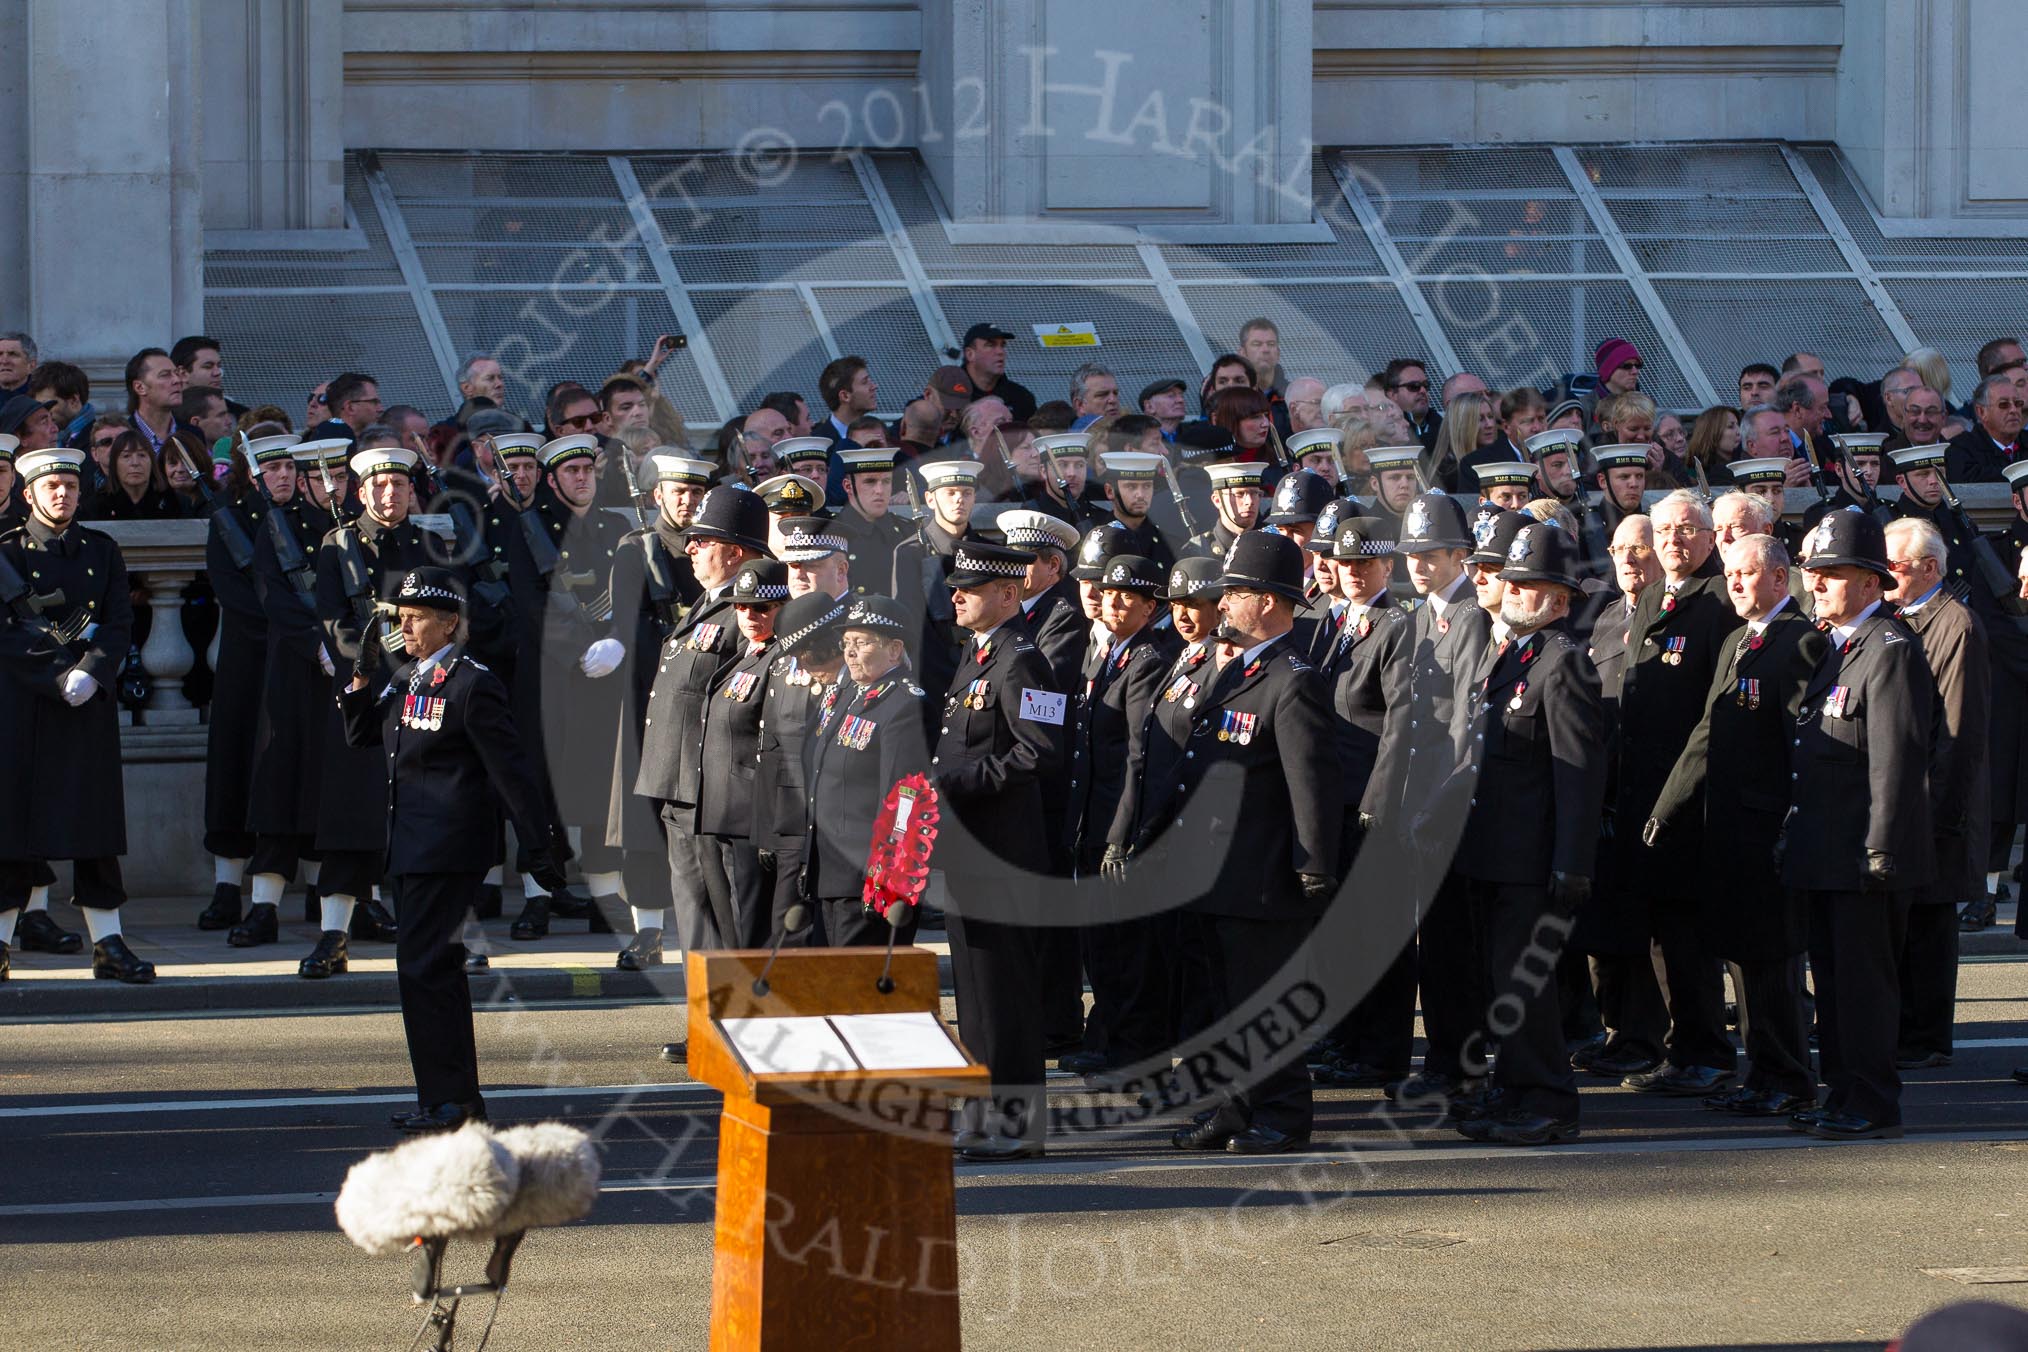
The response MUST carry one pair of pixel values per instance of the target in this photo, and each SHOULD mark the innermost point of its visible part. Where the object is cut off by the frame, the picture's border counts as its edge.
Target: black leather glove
(547, 872)
(766, 857)
(1318, 886)
(1607, 826)
(1651, 832)
(367, 664)
(1569, 891)
(1369, 822)
(1113, 868)
(1879, 870)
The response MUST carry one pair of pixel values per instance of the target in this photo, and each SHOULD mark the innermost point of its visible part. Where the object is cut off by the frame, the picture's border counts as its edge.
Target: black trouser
(1247, 954)
(753, 892)
(1774, 1025)
(350, 873)
(1380, 1030)
(436, 1004)
(1129, 969)
(1929, 979)
(96, 883)
(1059, 991)
(281, 855)
(1524, 939)
(850, 923)
(1855, 949)
(700, 888)
(789, 882)
(1693, 984)
(1451, 968)
(229, 844)
(1630, 1004)
(993, 967)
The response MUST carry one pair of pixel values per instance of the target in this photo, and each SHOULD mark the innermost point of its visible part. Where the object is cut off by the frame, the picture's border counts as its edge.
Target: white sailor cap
(1621, 455)
(791, 450)
(867, 459)
(1316, 439)
(1064, 443)
(1132, 466)
(1870, 442)
(1493, 472)
(1919, 457)
(326, 451)
(1759, 470)
(382, 460)
(665, 468)
(563, 450)
(518, 443)
(33, 465)
(1393, 457)
(266, 450)
(949, 473)
(1026, 528)
(1235, 474)
(1554, 440)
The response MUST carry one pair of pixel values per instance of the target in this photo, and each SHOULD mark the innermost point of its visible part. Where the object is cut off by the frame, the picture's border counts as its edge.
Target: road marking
(682, 1089)
(1351, 1158)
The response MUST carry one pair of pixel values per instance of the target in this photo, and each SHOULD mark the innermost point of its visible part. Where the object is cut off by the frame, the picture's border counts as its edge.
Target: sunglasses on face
(583, 420)
(316, 399)
(1412, 386)
(1632, 366)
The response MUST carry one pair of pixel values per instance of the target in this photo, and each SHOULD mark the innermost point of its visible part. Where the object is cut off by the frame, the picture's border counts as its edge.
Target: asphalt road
(167, 1183)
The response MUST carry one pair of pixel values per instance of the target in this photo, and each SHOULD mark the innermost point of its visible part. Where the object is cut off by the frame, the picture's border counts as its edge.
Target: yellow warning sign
(1066, 335)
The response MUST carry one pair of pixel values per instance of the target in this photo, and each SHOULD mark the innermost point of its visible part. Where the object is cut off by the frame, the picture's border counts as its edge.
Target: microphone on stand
(897, 916)
(793, 920)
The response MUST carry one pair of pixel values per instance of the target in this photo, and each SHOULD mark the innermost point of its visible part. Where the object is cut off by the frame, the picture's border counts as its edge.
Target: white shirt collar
(1246, 658)
(1440, 601)
(1843, 632)
(1760, 625)
(981, 640)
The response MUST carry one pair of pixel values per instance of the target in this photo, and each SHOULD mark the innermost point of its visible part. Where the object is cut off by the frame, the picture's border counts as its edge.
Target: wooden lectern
(837, 1213)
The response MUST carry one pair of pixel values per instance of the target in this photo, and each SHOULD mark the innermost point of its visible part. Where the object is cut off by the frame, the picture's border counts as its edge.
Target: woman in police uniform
(453, 755)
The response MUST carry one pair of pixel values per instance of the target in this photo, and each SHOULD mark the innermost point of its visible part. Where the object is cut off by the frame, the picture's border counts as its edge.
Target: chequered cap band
(766, 591)
(863, 618)
(412, 590)
(972, 563)
(1032, 537)
(1374, 549)
(804, 547)
(830, 617)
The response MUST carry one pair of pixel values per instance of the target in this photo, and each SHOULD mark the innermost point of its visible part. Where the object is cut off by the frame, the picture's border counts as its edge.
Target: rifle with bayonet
(290, 556)
(1190, 527)
(559, 596)
(1862, 488)
(231, 530)
(2003, 585)
(1703, 481)
(662, 590)
(1819, 476)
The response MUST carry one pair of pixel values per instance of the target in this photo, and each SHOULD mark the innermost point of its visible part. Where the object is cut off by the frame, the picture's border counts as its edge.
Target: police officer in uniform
(922, 563)
(453, 758)
(872, 533)
(803, 691)
(1052, 610)
(729, 529)
(1397, 480)
(788, 497)
(2007, 642)
(1859, 840)
(1735, 766)
(1267, 713)
(1536, 777)
(63, 636)
(1001, 735)
(1235, 494)
(236, 673)
(732, 732)
(873, 738)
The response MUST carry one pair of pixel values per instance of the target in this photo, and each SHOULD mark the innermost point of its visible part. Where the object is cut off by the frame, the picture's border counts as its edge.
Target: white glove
(603, 658)
(78, 686)
(324, 660)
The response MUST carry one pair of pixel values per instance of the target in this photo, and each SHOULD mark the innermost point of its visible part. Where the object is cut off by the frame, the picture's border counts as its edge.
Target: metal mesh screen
(764, 266)
(1350, 254)
(881, 325)
(457, 177)
(1937, 311)
(1730, 324)
(372, 266)
(541, 337)
(1698, 169)
(588, 264)
(765, 341)
(1443, 172)
(1533, 333)
(705, 178)
(1333, 333)
(757, 223)
(1139, 340)
(282, 347)
(1908, 255)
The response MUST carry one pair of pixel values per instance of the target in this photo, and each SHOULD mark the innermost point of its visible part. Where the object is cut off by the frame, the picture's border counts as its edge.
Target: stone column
(114, 256)
(1060, 120)
(166, 656)
(273, 148)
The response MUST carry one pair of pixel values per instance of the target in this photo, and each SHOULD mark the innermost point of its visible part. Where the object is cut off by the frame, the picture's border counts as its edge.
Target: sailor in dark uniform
(1130, 487)
(1507, 484)
(13, 501)
(1766, 478)
(1317, 451)
(732, 735)
(1064, 469)
(1267, 713)
(1535, 776)
(1555, 454)
(1001, 735)
(922, 562)
(454, 759)
(1235, 494)
(2007, 642)
(237, 672)
(1622, 477)
(871, 532)
(63, 639)
(873, 738)
(1859, 840)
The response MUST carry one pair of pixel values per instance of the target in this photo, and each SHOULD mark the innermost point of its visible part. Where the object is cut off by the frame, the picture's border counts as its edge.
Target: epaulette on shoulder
(1296, 663)
(914, 689)
(467, 657)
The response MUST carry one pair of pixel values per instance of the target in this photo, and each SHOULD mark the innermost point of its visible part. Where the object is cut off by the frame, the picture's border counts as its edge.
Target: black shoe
(2020, 1076)
(2004, 892)
(313, 905)
(476, 963)
(1805, 1119)
(1617, 1065)
(601, 921)
(39, 933)
(1521, 1128)
(643, 951)
(441, 1117)
(1747, 1102)
(568, 905)
(489, 904)
(328, 958)
(1585, 1053)
(261, 926)
(1000, 1150)
(1922, 1060)
(1483, 1106)
(676, 1053)
(1258, 1140)
(223, 912)
(1210, 1134)
(966, 1137)
(370, 921)
(1977, 915)
(1848, 1127)
(1428, 1086)
(533, 922)
(114, 961)
(7, 963)
(1356, 1075)
(1081, 1062)
(1681, 1081)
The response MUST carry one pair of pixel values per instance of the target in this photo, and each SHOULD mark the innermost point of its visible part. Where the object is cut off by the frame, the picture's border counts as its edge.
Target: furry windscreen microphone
(456, 1185)
(469, 1184)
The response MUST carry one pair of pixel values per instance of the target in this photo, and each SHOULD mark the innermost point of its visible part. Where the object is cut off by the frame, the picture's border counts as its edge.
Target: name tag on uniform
(705, 637)
(1042, 706)
(741, 686)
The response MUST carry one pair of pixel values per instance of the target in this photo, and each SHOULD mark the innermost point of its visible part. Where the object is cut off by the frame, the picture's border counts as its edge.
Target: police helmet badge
(1821, 539)
(1287, 495)
(1518, 551)
(1120, 573)
(1482, 529)
(747, 584)
(1417, 522)
(1094, 548)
